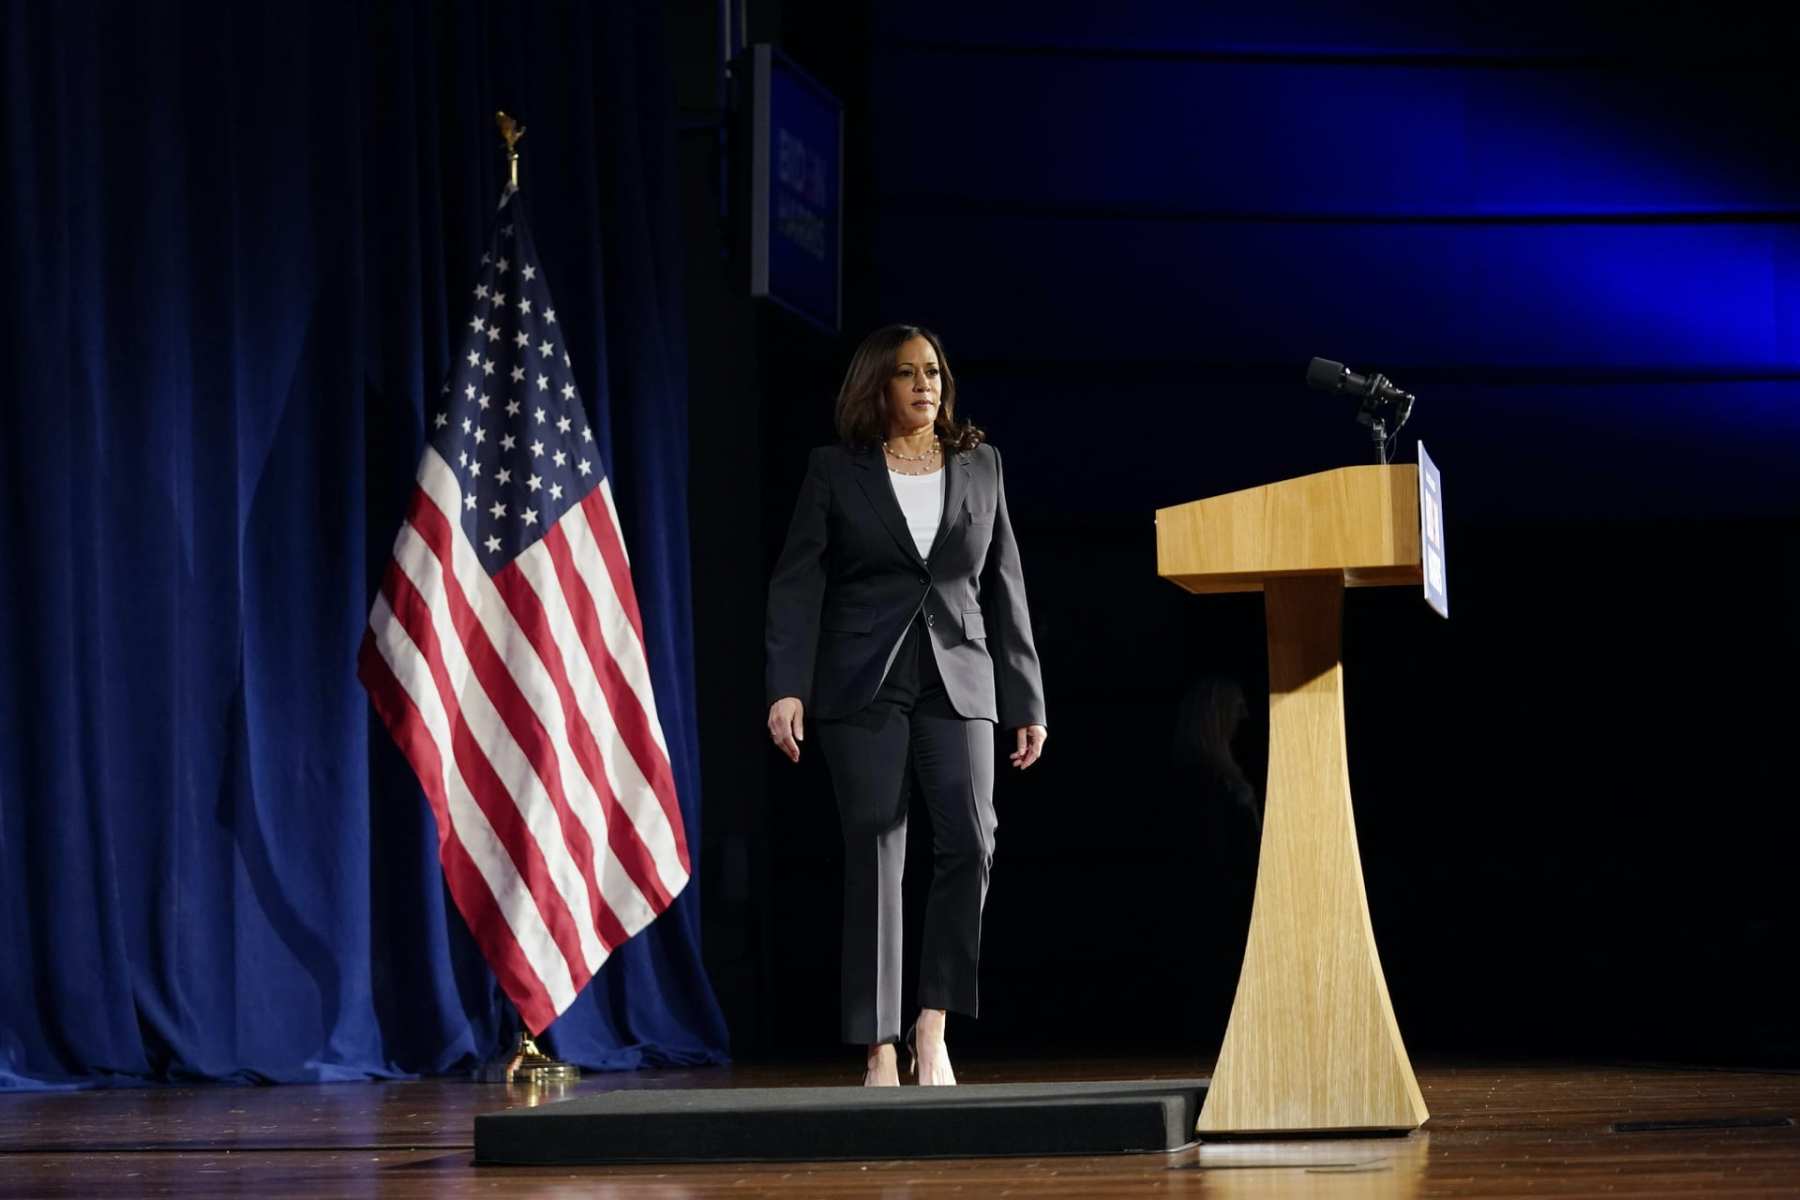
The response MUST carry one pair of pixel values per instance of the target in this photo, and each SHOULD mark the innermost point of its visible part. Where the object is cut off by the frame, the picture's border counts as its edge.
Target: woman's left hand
(1031, 745)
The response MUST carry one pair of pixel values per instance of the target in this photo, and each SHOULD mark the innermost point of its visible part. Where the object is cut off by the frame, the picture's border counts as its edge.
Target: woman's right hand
(787, 725)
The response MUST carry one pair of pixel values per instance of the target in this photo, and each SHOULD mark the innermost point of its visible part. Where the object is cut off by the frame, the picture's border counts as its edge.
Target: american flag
(505, 654)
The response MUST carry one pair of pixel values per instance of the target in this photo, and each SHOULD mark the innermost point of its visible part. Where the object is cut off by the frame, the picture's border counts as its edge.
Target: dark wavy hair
(862, 403)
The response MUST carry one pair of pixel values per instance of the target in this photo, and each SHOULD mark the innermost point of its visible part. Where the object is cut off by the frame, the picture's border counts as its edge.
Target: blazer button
(930, 619)
(925, 579)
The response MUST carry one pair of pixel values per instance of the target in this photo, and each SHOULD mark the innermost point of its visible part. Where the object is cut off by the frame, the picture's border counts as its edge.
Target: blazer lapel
(872, 477)
(956, 484)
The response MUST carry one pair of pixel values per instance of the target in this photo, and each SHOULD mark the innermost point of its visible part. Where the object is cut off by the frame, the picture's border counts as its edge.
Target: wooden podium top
(1362, 521)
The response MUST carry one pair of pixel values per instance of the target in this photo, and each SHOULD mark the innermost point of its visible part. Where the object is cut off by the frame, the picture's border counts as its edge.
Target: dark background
(1574, 231)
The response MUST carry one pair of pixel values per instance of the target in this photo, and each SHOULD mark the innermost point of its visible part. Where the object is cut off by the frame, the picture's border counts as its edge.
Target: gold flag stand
(529, 1066)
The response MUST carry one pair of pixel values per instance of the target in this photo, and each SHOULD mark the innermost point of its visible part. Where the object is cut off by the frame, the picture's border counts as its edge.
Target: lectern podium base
(1312, 1045)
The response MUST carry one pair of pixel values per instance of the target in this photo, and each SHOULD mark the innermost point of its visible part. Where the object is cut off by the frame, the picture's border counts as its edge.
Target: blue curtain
(237, 241)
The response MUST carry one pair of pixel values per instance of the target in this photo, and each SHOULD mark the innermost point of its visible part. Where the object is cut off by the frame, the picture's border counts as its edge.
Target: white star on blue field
(512, 425)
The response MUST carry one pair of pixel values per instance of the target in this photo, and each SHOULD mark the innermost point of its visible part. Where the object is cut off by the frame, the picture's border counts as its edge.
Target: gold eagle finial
(510, 131)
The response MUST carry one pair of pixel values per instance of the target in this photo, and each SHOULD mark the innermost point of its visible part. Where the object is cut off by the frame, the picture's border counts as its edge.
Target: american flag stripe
(476, 739)
(529, 760)
(534, 597)
(469, 885)
(606, 639)
(624, 643)
(506, 653)
(604, 519)
(584, 601)
(462, 823)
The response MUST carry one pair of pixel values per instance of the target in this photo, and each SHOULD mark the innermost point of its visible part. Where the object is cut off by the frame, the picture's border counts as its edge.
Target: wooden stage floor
(1495, 1131)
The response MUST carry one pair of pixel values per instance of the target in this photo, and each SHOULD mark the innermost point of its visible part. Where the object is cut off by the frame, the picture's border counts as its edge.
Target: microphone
(1335, 377)
(1384, 408)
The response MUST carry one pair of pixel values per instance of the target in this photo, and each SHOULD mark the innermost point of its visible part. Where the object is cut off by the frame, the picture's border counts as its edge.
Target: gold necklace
(925, 457)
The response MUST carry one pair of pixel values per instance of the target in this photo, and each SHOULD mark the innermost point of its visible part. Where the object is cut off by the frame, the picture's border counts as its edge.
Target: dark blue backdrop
(236, 238)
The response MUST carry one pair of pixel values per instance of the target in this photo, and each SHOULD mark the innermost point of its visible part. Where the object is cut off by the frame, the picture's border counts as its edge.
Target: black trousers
(909, 734)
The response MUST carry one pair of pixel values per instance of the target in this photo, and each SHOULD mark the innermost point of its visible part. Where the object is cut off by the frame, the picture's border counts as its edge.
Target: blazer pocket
(849, 620)
(981, 516)
(974, 624)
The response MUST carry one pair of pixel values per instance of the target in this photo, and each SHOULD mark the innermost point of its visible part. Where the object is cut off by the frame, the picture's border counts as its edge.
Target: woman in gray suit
(897, 622)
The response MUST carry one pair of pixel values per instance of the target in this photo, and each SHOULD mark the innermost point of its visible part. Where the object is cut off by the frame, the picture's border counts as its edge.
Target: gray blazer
(850, 580)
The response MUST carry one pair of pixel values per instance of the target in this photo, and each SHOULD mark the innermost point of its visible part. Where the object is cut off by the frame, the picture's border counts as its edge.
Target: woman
(897, 622)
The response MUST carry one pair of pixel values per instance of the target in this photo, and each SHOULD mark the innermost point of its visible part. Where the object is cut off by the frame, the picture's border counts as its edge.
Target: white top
(922, 501)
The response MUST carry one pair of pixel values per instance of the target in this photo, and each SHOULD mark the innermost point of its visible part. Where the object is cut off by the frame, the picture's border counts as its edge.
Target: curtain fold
(236, 237)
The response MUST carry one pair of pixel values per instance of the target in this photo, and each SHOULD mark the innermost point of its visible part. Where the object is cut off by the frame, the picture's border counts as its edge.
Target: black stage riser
(812, 1124)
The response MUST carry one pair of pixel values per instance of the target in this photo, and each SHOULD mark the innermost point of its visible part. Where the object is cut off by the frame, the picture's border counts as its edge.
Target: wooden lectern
(1312, 1044)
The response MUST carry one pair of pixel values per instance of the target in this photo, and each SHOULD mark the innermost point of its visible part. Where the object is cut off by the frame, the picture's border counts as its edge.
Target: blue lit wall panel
(1784, 290)
(1419, 27)
(1574, 231)
(1170, 135)
(1669, 296)
(1582, 216)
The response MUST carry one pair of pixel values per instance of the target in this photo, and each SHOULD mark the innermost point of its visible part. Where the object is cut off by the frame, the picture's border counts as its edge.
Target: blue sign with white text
(799, 238)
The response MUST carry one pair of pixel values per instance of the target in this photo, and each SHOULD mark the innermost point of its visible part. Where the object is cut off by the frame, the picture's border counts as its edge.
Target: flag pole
(525, 1064)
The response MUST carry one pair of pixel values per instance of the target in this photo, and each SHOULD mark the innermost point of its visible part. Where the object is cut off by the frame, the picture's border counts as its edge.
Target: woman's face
(912, 390)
